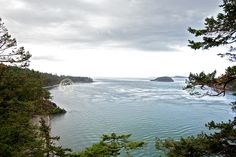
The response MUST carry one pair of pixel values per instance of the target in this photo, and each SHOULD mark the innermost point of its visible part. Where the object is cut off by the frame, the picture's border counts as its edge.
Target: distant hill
(180, 76)
(50, 79)
(47, 78)
(163, 79)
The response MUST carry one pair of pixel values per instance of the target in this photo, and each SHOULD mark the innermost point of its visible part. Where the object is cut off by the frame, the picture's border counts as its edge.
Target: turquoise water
(144, 108)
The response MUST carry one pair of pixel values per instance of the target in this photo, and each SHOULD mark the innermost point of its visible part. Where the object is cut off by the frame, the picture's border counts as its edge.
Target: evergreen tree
(218, 31)
(50, 148)
(9, 53)
(21, 96)
(111, 145)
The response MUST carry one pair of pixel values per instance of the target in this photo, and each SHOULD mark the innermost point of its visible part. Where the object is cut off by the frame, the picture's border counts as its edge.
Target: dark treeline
(48, 79)
(52, 79)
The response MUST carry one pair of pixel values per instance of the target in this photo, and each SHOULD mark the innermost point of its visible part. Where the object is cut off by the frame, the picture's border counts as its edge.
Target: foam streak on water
(141, 107)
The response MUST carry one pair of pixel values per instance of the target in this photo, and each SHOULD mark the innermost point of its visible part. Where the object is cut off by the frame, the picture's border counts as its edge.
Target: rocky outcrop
(163, 79)
(37, 118)
(47, 107)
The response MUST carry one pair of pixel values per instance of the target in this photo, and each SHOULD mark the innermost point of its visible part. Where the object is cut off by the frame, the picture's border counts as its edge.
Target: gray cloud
(46, 58)
(151, 25)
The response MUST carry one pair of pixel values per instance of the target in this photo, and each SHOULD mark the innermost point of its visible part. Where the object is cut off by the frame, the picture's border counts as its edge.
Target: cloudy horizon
(112, 38)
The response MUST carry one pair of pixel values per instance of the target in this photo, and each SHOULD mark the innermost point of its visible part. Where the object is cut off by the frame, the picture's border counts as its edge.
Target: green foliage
(219, 84)
(201, 79)
(222, 142)
(50, 148)
(100, 149)
(46, 107)
(21, 96)
(57, 110)
(17, 136)
(190, 146)
(27, 86)
(50, 79)
(218, 30)
(21, 84)
(18, 89)
(111, 145)
(9, 53)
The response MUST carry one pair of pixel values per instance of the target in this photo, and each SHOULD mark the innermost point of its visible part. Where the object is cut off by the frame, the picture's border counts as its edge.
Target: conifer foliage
(218, 31)
(9, 53)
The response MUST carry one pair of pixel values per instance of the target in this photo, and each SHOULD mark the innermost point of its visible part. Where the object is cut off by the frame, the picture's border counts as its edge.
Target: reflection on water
(144, 108)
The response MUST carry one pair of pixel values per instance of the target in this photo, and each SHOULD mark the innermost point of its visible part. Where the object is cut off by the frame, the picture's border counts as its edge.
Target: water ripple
(144, 108)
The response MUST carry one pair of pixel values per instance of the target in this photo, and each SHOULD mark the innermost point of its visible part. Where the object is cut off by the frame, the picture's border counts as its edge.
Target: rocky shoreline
(37, 118)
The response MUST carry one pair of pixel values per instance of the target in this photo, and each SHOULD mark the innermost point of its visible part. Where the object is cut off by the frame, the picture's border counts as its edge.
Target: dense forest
(50, 79)
(22, 97)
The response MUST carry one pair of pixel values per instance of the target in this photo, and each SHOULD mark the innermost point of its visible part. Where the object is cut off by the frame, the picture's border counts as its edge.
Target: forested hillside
(21, 97)
(47, 79)
(50, 79)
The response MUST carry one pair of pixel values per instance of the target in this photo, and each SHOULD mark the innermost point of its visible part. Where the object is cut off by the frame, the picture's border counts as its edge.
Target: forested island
(163, 79)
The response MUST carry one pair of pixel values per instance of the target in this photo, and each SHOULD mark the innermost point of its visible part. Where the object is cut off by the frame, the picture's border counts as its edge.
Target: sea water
(144, 108)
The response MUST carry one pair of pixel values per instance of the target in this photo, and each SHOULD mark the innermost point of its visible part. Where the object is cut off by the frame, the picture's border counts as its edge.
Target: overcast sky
(112, 38)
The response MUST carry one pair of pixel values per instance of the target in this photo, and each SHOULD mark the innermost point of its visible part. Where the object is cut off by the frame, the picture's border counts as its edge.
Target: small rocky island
(163, 79)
